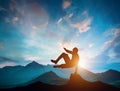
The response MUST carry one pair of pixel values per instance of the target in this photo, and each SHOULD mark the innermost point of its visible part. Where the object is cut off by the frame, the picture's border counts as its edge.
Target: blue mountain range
(14, 76)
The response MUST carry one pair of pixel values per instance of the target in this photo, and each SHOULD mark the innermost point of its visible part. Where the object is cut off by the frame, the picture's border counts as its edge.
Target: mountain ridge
(76, 83)
(50, 78)
(18, 75)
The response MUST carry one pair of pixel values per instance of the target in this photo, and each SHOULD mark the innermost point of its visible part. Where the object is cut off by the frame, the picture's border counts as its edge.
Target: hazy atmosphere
(37, 30)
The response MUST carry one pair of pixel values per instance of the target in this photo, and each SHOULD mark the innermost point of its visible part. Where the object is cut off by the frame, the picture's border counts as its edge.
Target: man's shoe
(54, 61)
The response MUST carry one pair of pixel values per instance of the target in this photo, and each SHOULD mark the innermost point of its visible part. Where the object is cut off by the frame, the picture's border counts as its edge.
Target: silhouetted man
(69, 62)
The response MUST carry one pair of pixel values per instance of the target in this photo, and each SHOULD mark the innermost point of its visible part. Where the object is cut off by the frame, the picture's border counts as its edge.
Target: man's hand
(64, 48)
(68, 51)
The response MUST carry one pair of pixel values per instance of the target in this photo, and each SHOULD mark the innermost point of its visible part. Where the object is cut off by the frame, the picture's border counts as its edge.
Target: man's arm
(68, 51)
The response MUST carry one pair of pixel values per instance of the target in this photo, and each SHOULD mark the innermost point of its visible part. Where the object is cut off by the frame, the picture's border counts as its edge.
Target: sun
(82, 64)
(84, 60)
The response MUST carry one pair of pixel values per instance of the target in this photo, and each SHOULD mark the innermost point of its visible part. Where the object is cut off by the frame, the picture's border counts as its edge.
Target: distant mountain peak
(51, 78)
(34, 63)
(111, 71)
(50, 74)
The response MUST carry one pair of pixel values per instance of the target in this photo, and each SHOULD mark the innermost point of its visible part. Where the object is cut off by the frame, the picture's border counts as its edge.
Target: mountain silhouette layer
(76, 83)
(109, 76)
(15, 76)
(50, 78)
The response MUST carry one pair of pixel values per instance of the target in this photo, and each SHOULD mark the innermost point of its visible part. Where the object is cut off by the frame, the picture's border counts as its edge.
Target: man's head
(75, 49)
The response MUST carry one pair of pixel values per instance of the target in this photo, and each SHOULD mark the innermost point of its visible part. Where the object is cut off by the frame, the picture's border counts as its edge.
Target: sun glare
(82, 64)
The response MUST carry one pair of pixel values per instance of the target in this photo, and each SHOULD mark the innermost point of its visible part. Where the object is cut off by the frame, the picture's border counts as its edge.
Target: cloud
(61, 45)
(67, 44)
(59, 21)
(98, 62)
(5, 59)
(70, 15)
(2, 9)
(7, 64)
(101, 58)
(31, 17)
(114, 43)
(66, 4)
(12, 5)
(85, 13)
(15, 20)
(110, 53)
(91, 45)
(34, 21)
(70, 22)
(83, 26)
(32, 58)
(35, 14)
(107, 44)
(66, 18)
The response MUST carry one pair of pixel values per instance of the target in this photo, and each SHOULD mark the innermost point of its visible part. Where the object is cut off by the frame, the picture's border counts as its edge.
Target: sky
(37, 30)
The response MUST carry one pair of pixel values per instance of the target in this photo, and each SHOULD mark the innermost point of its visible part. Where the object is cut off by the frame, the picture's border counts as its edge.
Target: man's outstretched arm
(68, 51)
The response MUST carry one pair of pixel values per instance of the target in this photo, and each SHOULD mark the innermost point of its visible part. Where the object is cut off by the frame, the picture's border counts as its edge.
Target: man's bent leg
(64, 56)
